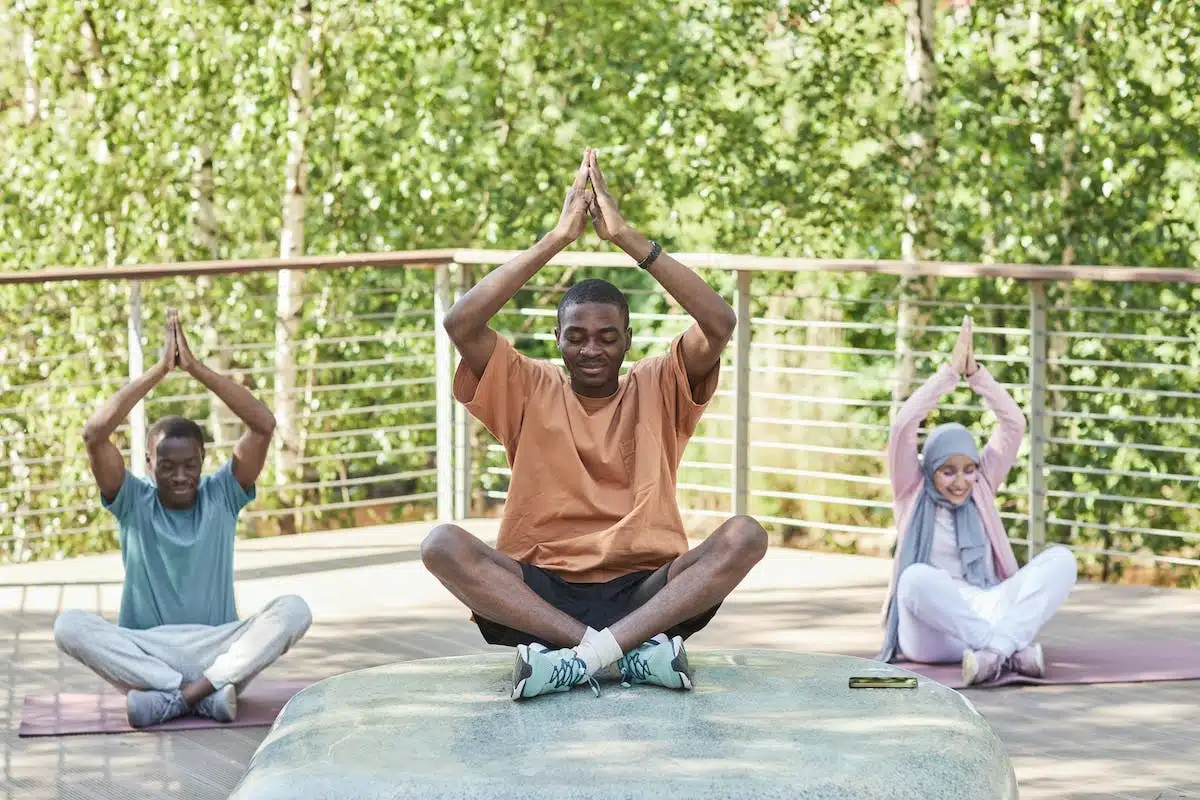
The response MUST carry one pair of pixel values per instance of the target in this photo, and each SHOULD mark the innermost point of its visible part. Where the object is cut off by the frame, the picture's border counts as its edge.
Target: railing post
(462, 426)
(741, 401)
(137, 417)
(443, 359)
(1037, 416)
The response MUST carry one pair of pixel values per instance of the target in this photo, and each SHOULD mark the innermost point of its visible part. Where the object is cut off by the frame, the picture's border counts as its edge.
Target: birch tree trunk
(290, 286)
(224, 425)
(920, 104)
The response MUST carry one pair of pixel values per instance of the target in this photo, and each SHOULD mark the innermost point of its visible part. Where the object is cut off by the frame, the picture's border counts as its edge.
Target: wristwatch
(655, 249)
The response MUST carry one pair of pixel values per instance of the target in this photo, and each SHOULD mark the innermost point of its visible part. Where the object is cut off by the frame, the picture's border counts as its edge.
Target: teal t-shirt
(178, 564)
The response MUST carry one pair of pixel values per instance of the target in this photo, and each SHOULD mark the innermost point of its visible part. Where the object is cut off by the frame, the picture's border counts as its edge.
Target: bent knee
(295, 612)
(1061, 560)
(912, 580)
(444, 548)
(70, 630)
(746, 538)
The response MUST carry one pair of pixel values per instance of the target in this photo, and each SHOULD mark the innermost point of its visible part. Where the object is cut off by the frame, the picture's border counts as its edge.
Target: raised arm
(902, 454)
(104, 457)
(250, 451)
(1000, 453)
(715, 320)
(904, 464)
(467, 320)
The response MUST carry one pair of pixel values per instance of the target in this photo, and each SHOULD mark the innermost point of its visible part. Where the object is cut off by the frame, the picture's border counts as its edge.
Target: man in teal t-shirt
(178, 646)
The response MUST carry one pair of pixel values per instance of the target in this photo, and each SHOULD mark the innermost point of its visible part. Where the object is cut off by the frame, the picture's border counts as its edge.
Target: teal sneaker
(149, 707)
(220, 706)
(658, 663)
(540, 670)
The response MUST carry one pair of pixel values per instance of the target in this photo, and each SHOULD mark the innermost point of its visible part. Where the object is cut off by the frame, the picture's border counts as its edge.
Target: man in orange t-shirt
(592, 557)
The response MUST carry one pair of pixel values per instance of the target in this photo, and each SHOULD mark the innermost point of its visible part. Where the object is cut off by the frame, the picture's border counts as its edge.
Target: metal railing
(1105, 362)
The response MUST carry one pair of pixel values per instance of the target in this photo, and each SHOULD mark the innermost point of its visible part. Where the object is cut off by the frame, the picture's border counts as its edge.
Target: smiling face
(955, 478)
(176, 462)
(593, 339)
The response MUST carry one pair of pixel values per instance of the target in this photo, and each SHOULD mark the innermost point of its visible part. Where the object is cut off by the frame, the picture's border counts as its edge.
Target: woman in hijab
(956, 591)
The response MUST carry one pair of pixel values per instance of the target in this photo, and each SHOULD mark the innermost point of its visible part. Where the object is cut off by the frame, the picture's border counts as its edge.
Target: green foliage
(1065, 132)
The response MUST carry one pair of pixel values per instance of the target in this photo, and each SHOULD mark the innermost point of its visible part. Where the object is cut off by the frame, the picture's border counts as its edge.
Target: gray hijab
(945, 441)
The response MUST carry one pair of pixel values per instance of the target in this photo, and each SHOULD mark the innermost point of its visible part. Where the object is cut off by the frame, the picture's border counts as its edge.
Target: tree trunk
(1070, 147)
(224, 425)
(290, 288)
(917, 241)
(1058, 346)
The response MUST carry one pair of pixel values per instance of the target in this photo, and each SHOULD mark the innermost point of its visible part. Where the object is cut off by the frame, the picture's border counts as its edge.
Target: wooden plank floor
(374, 603)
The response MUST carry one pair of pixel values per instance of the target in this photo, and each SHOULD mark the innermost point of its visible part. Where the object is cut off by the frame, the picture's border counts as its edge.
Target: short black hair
(594, 290)
(174, 428)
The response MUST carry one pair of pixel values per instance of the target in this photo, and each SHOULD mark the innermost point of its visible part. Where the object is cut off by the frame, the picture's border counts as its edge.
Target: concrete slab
(759, 724)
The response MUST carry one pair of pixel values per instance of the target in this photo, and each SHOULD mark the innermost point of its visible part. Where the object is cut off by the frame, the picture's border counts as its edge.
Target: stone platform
(759, 724)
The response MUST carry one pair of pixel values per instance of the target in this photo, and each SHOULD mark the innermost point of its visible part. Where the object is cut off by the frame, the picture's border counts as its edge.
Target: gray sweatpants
(165, 657)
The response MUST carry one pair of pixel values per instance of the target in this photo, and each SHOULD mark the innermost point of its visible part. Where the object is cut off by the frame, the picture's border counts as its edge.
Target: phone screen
(882, 682)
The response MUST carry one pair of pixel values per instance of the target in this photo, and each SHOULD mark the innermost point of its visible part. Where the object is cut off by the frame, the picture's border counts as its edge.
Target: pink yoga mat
(1094, 662)
(63, 714)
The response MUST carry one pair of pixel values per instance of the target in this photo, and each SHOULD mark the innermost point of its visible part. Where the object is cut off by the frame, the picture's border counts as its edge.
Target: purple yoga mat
(63, 714)
(1094, 662)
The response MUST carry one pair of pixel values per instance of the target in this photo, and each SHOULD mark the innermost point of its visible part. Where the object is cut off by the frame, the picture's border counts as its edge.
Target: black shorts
(597, 605)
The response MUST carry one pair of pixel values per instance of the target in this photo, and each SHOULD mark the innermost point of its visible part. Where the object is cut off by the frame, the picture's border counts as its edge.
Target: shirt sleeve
(498, 399)
(1000, 453)
(133, 496)
(904, 460)
(685, 405)
(223, 487)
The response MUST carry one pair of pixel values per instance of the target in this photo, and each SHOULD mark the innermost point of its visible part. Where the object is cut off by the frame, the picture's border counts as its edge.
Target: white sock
(660, 638)
(590, 657)
(605, 646)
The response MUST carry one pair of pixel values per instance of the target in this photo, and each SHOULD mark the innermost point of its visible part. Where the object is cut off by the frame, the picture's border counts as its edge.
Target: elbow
(92, 435)
(723, 327)
(452, 324)
(729, 322)
(459, 328)
(267, 426)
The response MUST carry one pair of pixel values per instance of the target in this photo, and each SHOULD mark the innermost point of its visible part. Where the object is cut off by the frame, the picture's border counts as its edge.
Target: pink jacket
(997, 458)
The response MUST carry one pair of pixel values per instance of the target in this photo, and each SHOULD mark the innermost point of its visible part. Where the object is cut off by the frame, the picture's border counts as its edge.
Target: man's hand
(184, 358)
(573, 219)
(963, 358)
(170, 354)
(606, 218)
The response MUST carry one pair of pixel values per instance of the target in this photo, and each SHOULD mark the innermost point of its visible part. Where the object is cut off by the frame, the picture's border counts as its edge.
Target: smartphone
(881, 682)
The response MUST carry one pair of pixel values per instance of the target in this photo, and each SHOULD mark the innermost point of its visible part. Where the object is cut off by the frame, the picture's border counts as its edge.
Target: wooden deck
(373, 603)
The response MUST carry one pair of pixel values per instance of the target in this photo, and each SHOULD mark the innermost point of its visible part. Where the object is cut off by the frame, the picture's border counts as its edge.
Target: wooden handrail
(715, 261)
(946, 269)
(408, 258)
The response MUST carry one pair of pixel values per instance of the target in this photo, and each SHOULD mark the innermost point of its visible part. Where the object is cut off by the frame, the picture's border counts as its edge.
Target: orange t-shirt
(592, 495)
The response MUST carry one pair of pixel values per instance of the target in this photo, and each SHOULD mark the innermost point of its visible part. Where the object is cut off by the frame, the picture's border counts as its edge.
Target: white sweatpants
(165, 657)
(941, 617)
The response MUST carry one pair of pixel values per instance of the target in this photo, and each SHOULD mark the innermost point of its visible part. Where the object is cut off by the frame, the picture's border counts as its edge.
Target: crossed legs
(491, 585)
(193, 662)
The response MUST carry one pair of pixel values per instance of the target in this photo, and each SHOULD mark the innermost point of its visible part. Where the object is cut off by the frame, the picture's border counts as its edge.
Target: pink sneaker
(1029, 661)
(981, 666)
